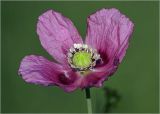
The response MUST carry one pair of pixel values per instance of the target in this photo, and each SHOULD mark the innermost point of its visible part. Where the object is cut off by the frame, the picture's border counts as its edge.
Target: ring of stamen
(82, 57)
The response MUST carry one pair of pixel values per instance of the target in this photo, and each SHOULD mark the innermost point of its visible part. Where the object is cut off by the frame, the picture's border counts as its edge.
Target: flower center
(82, 57)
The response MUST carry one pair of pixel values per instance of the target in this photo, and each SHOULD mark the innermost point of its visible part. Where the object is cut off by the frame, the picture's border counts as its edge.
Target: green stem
(89, 103)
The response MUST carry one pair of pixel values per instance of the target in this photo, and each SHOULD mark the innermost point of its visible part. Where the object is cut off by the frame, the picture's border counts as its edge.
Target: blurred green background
(136, 80)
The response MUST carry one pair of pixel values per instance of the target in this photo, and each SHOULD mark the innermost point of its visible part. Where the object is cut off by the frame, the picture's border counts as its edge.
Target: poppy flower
(78, 63)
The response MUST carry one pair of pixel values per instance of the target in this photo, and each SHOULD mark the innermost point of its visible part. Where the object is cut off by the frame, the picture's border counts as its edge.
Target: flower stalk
(88, 98)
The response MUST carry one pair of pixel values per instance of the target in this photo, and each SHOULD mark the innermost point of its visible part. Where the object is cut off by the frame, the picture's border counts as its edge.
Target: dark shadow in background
(112, 98)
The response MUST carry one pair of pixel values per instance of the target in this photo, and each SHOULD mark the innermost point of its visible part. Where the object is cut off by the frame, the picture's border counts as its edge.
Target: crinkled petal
(109, 32)
(96, 77)
(57, 34)
(38, 70)
(93, 79)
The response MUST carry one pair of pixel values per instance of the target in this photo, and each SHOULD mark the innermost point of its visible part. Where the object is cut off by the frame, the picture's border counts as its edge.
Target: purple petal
(57, 34)
(96, 77)
(38, 70)
(109, 32)
(93, 79)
